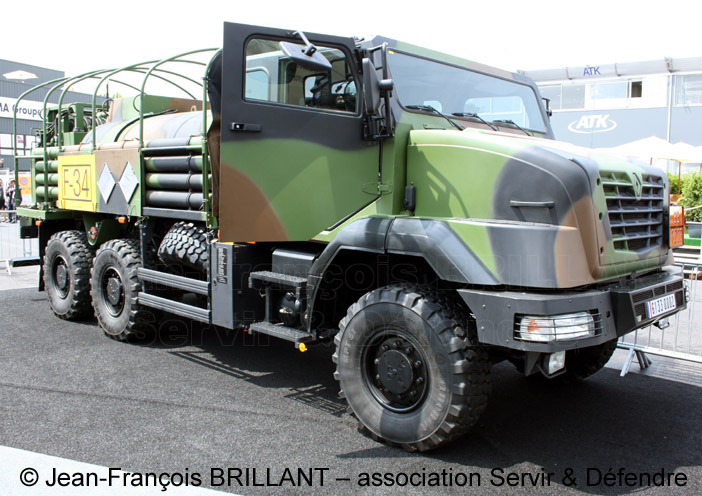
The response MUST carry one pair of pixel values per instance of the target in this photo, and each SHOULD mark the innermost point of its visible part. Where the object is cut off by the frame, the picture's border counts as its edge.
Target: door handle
(242, 127)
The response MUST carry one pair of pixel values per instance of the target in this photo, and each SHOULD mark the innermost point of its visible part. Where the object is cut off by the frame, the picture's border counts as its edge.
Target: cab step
(296, 336)
(277, 280)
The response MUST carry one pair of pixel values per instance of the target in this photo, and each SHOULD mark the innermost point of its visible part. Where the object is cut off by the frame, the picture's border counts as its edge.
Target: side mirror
(305, 56)
(371, 88)
(374, 89)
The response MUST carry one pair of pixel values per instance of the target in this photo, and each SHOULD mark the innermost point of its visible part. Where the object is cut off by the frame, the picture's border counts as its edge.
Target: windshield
(459, 91)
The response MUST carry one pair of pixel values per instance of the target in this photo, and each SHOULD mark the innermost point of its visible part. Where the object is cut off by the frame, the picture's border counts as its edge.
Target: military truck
(408, 206)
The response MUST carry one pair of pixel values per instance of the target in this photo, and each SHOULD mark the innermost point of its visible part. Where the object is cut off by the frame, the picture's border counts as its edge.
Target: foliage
(673, 180)
(692, 196)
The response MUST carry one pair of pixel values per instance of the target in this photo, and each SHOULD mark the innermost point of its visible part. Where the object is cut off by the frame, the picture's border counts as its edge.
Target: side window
(272, 77)
(258, 82)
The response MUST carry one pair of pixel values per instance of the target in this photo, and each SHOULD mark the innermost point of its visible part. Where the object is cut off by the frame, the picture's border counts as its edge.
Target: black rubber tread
(124, 256)
(73, 246)
(584, 362)
(468, 364)
(185, 245)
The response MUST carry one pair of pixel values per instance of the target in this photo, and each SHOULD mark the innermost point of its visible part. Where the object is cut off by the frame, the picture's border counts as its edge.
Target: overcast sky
(77, 36)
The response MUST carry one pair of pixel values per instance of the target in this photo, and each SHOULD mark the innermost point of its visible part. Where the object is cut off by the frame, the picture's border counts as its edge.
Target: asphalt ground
(196, 399)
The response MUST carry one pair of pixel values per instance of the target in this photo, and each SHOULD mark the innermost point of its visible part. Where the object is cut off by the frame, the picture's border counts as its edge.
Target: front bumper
(617, 309)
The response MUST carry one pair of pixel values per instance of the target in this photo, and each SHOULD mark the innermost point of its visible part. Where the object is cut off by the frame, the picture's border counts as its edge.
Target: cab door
(293, 159)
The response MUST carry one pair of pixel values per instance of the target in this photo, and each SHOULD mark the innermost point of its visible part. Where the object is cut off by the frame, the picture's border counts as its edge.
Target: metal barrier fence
(681, 340)
(13, 250)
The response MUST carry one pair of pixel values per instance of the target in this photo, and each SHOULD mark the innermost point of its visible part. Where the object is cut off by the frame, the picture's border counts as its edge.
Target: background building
(609, 105)
(15, 79)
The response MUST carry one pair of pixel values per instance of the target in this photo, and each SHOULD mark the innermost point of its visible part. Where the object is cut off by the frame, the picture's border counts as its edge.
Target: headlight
(556, 327)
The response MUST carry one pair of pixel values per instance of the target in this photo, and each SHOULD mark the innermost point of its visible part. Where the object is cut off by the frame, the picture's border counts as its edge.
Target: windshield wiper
(512, 123)
(429, 108)
(475, 116)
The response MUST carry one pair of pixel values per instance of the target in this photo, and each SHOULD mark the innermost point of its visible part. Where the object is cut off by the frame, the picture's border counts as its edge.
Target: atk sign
(592, 70)
(594, 123)
(27, 109)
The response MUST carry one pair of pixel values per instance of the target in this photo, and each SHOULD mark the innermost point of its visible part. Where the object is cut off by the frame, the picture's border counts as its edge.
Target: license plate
(661, 305)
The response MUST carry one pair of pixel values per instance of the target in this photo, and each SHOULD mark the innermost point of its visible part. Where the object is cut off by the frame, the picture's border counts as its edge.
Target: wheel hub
(114, 290)
(397, 373)
(61, 277)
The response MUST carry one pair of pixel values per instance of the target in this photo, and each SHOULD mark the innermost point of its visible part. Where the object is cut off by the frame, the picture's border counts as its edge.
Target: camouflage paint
(475, 175)
(274, 198)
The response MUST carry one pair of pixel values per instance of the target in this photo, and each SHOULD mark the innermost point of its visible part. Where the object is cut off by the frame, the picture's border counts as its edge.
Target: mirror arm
(309, 47)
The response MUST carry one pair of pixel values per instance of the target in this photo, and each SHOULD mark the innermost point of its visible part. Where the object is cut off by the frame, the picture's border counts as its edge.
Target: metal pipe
(174, 199)
(146, 78)
(206, 187)
(163, 143)
(53, 166)
(53, 192)
(671, 90)
(188, 163)
(107, 76)
(77, 79)
(53, 179)
(187, 182)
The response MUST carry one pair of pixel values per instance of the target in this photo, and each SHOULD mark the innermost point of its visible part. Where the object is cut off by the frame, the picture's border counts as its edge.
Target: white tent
(688, 153)
(654, 148)
(649, 148)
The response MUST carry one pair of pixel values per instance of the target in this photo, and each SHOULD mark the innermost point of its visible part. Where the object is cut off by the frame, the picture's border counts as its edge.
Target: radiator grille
(636, 220)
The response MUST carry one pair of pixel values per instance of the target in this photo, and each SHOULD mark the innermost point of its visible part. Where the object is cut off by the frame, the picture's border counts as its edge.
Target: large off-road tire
(185, 245)
(584, 362)
(67, 261)
(409, 367)
(115, 286)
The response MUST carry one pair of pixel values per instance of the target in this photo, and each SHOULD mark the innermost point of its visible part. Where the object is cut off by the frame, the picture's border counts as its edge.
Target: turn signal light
(555, 327)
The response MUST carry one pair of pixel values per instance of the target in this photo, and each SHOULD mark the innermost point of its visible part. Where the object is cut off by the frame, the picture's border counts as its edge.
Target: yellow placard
(25, 182)
(76, 182)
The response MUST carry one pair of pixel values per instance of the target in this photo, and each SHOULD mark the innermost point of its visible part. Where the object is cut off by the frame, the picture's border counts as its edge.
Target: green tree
(691, 192)
(673, 180)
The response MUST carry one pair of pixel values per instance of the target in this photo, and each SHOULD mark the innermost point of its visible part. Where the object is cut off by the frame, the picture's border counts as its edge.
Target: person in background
(11, 192)
(2, 202)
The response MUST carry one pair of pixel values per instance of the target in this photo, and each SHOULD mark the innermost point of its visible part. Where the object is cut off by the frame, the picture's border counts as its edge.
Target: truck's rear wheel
(584, 362)
(407, 369)
(115, 287)
(67, 261)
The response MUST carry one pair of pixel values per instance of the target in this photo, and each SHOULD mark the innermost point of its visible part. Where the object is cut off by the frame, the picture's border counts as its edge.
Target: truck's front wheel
(67, 261)
(407, 369)
(115, 287)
